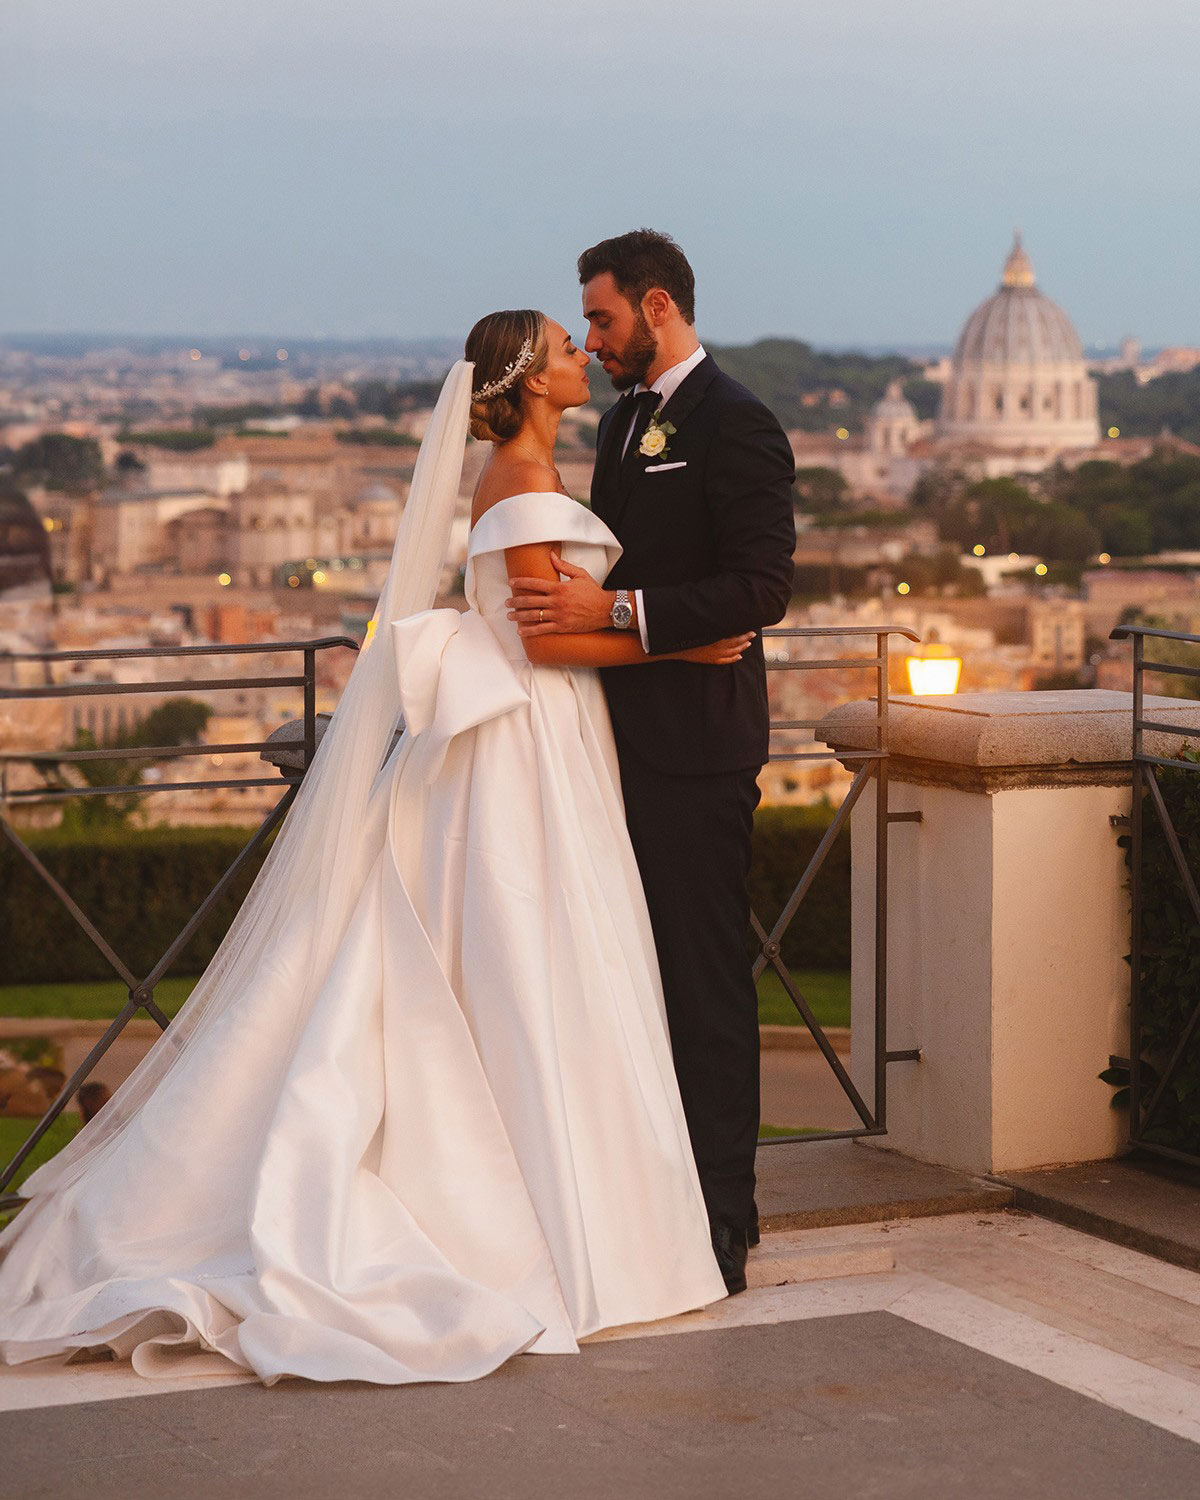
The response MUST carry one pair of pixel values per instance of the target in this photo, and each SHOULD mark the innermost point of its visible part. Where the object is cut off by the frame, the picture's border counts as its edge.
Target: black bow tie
(639, 409)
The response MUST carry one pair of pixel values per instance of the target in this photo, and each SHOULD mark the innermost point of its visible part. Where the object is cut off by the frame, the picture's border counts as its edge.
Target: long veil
(321, 857)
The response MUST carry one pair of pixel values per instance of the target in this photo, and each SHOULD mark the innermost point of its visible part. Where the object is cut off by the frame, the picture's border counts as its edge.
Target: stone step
(770, 1265)
(809, 1185)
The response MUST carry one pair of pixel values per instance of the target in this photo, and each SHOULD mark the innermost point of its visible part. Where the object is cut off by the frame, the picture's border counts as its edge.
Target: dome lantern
(1018, 268)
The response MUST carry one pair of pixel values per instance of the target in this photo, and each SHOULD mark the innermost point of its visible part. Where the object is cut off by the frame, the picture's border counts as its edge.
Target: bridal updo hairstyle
(492, 346)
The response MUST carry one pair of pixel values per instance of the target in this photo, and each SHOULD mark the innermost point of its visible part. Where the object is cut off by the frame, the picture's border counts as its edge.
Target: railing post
(1139, 772)
(310, 706)
(881, 884)
(1147, 1125)
(869, 765)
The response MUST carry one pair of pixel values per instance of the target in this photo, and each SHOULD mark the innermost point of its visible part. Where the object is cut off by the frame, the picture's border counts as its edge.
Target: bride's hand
(719, 653)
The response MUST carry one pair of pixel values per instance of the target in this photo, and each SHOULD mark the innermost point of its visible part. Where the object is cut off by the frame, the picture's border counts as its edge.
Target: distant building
(1018, 380)
(1016, 397)
(1057, 634)
(885, 462)
(1174, 361)
(268, 524)
(221, 475)
(135, 528)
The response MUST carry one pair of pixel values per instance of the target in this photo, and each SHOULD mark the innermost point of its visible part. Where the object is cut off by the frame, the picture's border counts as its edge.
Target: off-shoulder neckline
(527, 495)
(575, 521)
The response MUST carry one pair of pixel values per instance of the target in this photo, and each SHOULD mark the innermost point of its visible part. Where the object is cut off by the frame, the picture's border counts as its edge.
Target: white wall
(1008, 918)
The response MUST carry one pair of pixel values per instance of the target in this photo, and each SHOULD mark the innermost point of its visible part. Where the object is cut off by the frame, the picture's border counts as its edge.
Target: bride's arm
(600, 648)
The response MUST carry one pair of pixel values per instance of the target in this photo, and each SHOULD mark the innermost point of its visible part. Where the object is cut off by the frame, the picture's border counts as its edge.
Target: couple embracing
(475, 1070)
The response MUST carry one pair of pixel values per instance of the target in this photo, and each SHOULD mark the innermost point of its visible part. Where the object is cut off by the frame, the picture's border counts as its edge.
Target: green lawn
(826, 990)
(14, 1134)
(98, 1000)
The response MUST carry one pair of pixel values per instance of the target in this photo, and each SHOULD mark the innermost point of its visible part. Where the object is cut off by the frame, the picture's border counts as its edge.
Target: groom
(694, 476)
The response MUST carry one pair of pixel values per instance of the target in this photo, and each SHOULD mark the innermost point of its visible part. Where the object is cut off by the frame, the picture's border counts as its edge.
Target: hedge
(785, 839)
(140, 888)
(1169, 980)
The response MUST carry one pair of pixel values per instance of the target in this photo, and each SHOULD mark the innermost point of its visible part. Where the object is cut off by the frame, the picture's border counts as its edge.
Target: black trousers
(691, 836)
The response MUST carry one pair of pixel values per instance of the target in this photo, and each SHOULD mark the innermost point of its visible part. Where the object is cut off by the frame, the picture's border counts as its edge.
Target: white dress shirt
(665, 386)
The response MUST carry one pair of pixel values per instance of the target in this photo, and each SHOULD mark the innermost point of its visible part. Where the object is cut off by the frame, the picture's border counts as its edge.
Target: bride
(419, 1113)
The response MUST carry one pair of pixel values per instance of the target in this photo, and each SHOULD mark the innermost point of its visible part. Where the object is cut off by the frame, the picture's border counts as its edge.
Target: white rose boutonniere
(654, 439)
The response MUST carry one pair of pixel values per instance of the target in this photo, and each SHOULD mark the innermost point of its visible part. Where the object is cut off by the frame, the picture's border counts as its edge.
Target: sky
(849, 174)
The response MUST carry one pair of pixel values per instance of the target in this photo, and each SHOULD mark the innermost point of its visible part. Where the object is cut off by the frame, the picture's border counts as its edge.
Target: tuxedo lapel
(690, 391)
(676, 411)
(606, 448)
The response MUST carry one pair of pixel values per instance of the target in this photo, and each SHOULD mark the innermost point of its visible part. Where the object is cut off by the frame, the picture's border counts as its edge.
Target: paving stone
(868, 1405)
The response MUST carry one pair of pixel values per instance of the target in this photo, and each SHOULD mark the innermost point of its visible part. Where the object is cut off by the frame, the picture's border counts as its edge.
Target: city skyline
(851, 180)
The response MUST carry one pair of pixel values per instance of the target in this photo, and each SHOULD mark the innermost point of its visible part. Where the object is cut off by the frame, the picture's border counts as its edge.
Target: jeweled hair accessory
(511, 374)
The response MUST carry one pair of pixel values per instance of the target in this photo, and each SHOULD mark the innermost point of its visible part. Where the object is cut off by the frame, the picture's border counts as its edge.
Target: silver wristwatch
(622, 610)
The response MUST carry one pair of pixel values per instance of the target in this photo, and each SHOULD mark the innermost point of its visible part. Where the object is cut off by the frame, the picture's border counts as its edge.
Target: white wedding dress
(473, 1144)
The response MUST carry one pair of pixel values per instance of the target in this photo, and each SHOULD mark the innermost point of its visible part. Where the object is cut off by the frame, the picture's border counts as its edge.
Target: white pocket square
(662, 468)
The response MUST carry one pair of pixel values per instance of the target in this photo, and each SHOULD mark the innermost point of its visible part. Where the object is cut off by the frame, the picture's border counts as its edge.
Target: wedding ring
(541, 616)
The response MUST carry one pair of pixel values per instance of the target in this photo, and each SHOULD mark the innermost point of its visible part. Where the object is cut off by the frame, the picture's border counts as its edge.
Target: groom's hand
(544, 607)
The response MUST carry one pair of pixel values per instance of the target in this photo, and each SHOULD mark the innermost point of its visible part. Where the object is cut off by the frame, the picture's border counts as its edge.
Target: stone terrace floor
(987, 1353)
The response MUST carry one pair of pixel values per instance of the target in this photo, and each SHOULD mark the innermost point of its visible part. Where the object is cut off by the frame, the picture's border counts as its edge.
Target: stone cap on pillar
(988, 742)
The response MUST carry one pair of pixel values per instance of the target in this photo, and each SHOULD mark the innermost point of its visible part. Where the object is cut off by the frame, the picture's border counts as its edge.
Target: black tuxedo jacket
(708, 533)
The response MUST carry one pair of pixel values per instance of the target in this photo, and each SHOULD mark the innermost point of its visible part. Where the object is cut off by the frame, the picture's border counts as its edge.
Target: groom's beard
(637, 356)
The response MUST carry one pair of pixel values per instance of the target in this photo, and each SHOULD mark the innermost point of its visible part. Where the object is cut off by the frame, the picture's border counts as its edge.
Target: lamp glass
(931, 675)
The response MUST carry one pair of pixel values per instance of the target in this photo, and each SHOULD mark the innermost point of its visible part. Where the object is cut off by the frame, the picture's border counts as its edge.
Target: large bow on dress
(454, 675)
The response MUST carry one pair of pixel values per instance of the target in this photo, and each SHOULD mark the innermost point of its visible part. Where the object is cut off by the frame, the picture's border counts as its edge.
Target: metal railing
(1147, 1094)
(871, 763)
(141, 990)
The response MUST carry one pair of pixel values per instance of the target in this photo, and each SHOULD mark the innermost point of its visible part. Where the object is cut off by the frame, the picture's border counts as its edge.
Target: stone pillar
(1008, 917)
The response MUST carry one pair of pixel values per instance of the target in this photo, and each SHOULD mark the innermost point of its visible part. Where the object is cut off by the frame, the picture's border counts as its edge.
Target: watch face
(622, 615)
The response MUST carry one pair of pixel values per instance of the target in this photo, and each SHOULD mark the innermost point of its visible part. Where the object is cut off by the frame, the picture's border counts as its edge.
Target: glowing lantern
(933, 671)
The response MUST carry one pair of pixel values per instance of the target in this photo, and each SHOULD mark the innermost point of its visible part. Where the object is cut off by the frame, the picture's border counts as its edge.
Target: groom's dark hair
(639, 261)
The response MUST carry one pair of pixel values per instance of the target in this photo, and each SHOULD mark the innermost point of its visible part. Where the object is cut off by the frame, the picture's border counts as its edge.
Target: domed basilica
(1016, 397)
(1018, 379)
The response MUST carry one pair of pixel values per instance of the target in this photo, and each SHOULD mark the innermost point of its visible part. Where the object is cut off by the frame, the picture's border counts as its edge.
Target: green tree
(840, 387)
(60, 462)
(177, 721)
(820, 491)
(992, 512)
(381, 437)
(385, 398)
(1124, 531)
(178, 440)
(942, 572)
(1171, 401)
(1058, 532)
(91, 812)
(1163, 490)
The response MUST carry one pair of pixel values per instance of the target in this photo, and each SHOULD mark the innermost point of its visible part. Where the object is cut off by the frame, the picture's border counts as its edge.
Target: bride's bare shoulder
(505, 477)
